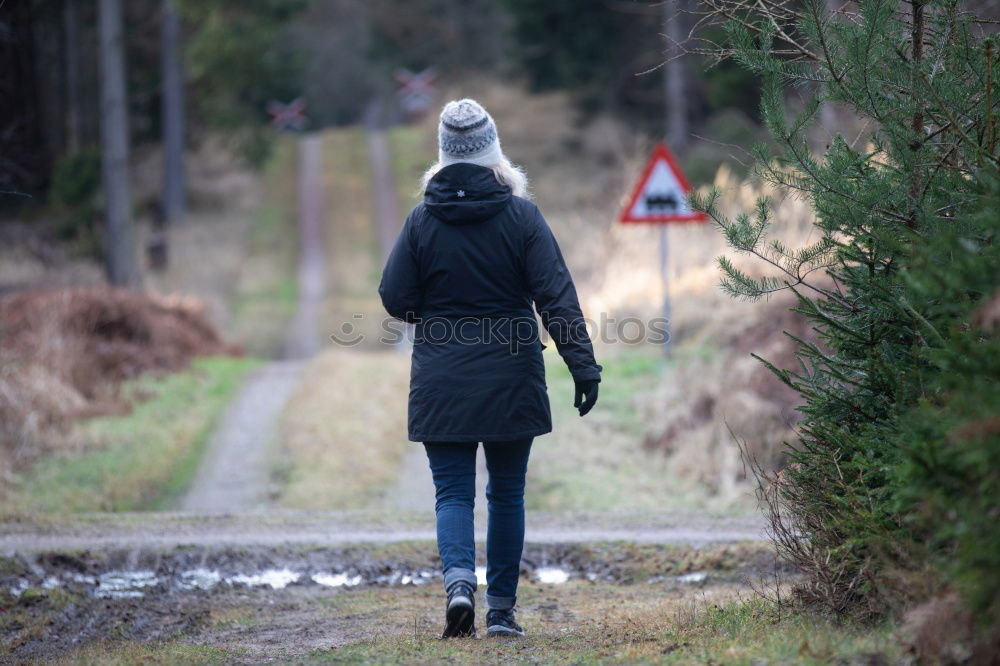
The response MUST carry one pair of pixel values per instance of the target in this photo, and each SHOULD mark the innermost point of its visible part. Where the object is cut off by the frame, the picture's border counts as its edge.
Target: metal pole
(664, 250)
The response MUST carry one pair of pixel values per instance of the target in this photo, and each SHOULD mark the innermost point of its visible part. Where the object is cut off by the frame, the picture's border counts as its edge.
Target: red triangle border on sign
(660, 152)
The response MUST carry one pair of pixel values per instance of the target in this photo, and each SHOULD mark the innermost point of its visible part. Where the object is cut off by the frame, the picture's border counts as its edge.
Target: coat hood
(465, 194)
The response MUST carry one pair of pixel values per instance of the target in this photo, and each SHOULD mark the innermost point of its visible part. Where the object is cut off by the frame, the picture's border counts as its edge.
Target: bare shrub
(65, 352)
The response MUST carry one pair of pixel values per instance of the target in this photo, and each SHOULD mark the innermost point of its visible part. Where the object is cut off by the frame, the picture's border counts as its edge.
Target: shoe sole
(460, 620)
(500, 631)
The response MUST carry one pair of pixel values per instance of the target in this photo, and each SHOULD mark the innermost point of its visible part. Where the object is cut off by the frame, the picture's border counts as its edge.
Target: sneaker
(460, 616)
(501, 623)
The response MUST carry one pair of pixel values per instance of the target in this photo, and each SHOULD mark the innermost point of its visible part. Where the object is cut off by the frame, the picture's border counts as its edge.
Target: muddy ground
(273, 603)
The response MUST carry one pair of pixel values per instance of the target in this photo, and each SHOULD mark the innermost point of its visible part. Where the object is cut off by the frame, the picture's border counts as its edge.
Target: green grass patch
(599, 462)
(342, 433)
(757, 631)
(266, 294)
(413, 150)
(608, 626)
(127, 653)
(142, 460)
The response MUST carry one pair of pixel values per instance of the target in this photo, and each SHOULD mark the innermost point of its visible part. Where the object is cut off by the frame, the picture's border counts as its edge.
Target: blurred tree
(120, 241)
(71, 31)
(353, 48)
(172, 93)
(674, 74)
(596, 49)
(338, 78)
(25, 156)
(238, 60)
(452, 36)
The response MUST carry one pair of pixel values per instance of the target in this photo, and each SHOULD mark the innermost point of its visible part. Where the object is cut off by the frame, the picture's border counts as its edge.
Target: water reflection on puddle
(124, 584)
(120, 584)
(199, 579)
(551, 575)
(276, 579)
(336, 580)
(693, 577)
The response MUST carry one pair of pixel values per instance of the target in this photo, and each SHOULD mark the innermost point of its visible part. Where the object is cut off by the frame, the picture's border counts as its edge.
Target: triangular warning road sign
(661, 195)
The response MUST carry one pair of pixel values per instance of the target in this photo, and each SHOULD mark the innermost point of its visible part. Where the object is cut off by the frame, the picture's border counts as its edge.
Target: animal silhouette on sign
(661, 202)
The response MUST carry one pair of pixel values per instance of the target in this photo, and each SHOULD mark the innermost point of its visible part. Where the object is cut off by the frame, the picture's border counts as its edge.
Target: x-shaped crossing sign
(416, 89)
(288, 116)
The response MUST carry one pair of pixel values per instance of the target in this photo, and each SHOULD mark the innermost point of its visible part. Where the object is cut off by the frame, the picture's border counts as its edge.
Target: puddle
(418, 578)
(551, 575)
(276, 579)
(124, 584)
(689, 578)
(19, 587)
(134, 574)
(199, 579)
(121, 584)
(336, 580)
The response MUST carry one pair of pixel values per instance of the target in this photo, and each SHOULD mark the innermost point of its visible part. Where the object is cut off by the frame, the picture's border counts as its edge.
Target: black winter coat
(467, 265)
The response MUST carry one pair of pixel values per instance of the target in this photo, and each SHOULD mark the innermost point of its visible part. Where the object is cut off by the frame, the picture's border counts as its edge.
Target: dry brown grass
(354, 261)
(65, 352)
(717, 392)
(343, 433)
(237, 249)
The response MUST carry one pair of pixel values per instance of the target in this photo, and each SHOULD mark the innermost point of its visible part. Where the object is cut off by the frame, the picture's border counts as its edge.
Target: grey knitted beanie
(467, 133)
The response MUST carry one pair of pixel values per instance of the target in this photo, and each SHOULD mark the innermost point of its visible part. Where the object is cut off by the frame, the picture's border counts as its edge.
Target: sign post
(660, 197)
(665, 278)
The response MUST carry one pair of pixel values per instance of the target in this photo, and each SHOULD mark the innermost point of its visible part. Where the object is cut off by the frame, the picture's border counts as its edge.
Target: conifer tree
(898, 205)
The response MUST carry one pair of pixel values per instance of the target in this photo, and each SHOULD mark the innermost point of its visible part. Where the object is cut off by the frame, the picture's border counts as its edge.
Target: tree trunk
(829, 117)
(71, 28)
(673, 73)
(174, 200)
(121, 263)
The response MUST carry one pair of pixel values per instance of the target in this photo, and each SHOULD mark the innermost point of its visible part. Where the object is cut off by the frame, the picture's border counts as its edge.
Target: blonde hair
(506, 172)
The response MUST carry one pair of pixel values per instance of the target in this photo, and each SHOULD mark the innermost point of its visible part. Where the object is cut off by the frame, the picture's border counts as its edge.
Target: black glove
(586, 388)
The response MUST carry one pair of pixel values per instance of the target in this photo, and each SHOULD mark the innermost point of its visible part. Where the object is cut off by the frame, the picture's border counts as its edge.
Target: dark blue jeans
(453, 465)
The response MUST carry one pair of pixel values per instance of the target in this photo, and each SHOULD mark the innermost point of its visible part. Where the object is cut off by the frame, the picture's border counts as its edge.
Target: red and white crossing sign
(660, 197)
(288, 116)
(416, 90)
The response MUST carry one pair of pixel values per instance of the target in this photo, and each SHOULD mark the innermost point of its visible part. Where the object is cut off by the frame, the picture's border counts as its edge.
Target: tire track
(234, 472)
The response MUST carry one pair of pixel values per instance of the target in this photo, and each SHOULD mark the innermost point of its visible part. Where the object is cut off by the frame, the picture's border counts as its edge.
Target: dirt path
(287, 528)
(304, 333)
(234, 473)
(283, 603)
(387, 216)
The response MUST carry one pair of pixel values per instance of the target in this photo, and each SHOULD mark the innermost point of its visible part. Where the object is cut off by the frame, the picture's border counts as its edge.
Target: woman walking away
(466, 268)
